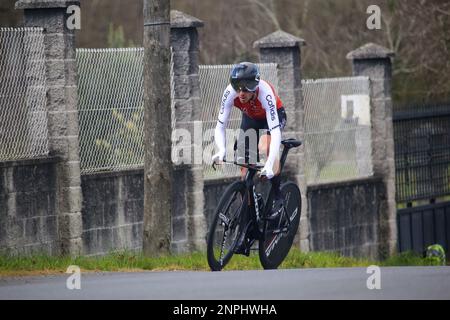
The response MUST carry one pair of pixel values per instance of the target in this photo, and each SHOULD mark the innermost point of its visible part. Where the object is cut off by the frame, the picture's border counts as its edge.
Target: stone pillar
(61, 104)
(363, 150)
(285, 50)
(374, 62)
(188, 220)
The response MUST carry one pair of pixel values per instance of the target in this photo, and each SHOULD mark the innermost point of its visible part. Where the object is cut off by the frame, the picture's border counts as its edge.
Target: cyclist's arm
(269, 103)
(225, 109)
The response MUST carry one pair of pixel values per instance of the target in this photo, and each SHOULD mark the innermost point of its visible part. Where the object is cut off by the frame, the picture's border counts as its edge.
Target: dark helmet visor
(244, 85)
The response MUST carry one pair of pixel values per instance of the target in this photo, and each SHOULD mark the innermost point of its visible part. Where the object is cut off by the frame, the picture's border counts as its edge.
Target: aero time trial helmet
(245, 76)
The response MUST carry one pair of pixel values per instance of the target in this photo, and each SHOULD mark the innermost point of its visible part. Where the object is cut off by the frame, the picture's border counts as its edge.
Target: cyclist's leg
(246, 146)
(264, 146)
(243, 173)
(243, 170)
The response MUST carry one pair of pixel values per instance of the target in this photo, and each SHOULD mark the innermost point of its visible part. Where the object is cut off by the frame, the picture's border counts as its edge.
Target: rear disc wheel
(279, 235)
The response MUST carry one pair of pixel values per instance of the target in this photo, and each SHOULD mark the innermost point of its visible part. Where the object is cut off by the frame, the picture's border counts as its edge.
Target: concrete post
(61, 104)
(374, 62)
(285, 50)
(188, 220)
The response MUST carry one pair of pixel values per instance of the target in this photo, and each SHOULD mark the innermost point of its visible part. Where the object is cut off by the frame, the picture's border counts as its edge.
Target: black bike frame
(254, 212)
(252, 171)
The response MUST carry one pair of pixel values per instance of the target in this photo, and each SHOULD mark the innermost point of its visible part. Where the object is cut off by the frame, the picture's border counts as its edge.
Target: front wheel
(279, 235)
(226, 228)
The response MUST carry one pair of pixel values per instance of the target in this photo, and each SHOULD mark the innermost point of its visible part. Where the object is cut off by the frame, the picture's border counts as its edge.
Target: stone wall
(28, 218)
(113, 207)
(113, 211)
(344, 217)
(347, 217)
(213, 191)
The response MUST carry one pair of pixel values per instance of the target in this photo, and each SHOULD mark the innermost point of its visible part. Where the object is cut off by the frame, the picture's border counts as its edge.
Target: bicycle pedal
(245, 247)
(243, 251)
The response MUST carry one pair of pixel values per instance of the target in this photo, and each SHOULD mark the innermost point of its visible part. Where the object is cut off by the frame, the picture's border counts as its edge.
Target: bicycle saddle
(291, 143)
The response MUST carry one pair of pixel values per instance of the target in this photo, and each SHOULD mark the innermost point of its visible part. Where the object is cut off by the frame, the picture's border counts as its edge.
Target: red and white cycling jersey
(254, 108)
(263, 107)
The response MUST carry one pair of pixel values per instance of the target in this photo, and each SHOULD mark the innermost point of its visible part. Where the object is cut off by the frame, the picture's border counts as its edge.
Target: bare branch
(268, 12)
(447, 13)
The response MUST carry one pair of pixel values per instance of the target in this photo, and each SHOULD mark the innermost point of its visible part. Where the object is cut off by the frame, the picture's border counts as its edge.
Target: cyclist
(262, 109)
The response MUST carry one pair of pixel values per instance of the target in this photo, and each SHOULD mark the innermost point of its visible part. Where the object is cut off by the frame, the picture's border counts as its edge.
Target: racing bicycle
(242, 218)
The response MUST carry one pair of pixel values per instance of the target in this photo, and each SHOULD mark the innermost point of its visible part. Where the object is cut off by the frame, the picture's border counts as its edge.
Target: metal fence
(111, 108)
(422, 152)
(23, 116)
(419, 227)
(213, 81)
(337, 129)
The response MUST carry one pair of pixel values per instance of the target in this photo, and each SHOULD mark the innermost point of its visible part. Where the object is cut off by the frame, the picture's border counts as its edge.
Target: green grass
(129, 261)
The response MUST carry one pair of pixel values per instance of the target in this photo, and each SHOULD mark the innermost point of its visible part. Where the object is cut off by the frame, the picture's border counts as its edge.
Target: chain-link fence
(110, 89)
(337, 129)
(23, 116)
(111, 108)
(213, 81)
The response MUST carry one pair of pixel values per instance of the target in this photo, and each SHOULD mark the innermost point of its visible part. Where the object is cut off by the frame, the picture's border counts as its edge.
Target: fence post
(61, 103)
(188, 220)
(374, 61)
(285, 50)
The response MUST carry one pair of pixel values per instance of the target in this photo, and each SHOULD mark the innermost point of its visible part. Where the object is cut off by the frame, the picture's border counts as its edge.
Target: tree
(157, 128)
(418, 32)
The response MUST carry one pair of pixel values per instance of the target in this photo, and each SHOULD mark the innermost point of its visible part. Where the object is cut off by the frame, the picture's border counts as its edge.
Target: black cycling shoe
(244, 247)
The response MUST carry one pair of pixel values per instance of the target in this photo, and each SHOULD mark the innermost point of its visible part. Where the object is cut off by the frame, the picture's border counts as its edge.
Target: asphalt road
(341, 283)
